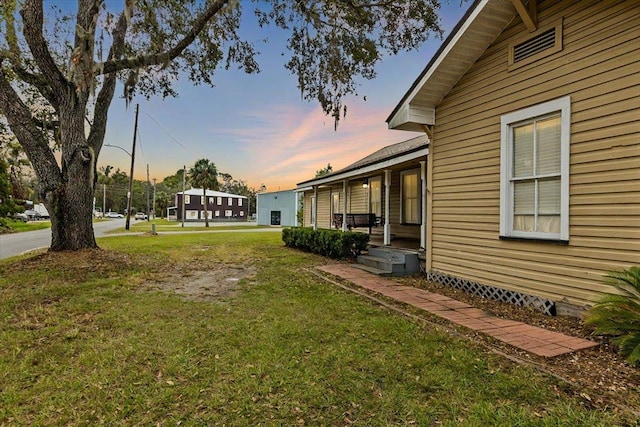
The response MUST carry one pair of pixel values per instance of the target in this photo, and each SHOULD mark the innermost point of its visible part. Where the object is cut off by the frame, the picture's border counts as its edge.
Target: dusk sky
(256, 127)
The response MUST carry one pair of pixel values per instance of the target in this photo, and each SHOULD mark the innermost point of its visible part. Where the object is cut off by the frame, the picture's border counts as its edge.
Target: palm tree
(205, 175)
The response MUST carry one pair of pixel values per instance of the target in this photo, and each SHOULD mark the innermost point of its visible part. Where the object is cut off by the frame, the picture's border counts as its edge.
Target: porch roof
(472, 35)
(385, 157)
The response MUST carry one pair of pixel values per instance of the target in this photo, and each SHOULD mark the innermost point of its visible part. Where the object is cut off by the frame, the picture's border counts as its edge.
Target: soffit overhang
(474, 33)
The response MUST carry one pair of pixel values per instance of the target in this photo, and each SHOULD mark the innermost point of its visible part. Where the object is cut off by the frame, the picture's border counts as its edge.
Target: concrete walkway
(521, 335)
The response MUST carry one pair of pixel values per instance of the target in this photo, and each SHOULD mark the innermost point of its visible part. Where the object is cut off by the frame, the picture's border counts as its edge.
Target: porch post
(423, 191)
(315, 207)
(387, 203)
(344, 205)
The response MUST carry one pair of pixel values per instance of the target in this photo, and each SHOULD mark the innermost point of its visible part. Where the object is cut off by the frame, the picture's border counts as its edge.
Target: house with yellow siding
(533, 173)
(530, 188)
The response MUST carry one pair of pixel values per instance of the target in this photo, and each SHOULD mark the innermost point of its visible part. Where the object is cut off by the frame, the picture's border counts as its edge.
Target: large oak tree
(67, 62)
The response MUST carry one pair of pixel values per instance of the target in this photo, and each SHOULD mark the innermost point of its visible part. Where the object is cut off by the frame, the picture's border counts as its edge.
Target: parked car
(140, 215)
(114, 215)
(21, 216)
(32, 214)
(42, 211)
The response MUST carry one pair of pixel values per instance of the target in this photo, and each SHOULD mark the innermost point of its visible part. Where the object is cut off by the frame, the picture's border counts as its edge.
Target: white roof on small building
(210, 193)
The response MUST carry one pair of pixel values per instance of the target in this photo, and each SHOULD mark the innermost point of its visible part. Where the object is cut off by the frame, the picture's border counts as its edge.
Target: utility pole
(148, 184)
(154, 198)
(184, 184)
(133, 156)
(104, 199)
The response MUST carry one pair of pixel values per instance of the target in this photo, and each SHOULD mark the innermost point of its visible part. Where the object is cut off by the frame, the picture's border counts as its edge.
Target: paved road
(18, 243)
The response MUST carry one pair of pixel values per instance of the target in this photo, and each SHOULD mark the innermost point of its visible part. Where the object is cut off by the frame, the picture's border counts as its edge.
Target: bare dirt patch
(217, 282)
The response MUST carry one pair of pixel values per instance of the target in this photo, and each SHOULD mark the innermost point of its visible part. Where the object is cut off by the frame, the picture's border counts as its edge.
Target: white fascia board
(397, 121)
(367, 169)
(443, 55)
(302, 189)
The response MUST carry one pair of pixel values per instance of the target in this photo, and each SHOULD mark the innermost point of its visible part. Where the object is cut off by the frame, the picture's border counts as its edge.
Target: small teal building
(278, 208)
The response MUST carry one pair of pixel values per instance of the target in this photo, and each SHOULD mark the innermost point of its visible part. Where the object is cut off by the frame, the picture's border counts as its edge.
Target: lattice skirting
(497, 294)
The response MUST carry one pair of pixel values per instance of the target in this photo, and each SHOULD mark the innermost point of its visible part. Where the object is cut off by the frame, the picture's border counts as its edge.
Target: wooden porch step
(394, 266)
(372, 270)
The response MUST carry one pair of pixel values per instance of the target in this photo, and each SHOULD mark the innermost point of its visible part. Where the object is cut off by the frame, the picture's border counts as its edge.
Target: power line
(170, 136)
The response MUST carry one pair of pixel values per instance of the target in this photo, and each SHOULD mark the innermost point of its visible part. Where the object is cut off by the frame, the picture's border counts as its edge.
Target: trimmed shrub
(330, 243)
(619, 315)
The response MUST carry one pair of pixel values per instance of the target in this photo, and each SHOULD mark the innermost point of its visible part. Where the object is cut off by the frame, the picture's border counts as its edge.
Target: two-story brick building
(220, 206)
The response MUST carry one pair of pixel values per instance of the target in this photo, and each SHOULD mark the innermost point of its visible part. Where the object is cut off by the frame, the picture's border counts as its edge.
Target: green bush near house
(619, 315)
(330, 243)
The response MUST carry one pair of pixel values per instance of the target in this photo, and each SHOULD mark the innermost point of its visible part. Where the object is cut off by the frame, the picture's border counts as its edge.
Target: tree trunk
(71, 210)
(70, 204)
(206, 215)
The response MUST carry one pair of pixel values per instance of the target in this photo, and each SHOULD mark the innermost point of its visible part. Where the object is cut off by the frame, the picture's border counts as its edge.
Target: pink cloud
(298, 141)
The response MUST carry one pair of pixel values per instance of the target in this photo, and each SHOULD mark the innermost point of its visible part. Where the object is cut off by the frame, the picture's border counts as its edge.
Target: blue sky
(257, 127)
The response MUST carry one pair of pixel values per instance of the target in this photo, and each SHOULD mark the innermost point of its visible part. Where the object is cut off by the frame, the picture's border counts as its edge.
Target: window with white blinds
(534, 172)
(410, 197)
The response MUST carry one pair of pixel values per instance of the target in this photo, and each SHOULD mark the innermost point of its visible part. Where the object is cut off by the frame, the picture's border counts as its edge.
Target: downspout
(423, 207)
(429, 242)
(344, 207)
(315, 207)
(387, 204)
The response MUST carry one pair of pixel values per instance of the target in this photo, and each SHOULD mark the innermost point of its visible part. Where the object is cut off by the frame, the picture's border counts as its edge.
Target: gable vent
(534, 45)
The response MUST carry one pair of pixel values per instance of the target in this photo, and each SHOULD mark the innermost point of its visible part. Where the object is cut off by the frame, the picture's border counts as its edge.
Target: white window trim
(563, 106)
(402, 174)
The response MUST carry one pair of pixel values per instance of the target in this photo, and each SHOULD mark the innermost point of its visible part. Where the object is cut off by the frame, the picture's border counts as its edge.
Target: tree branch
(52, 125)
(32, 15)
(39, 82)
(15, 57)
(116, 65)
(82, 63)
(105, 96)
(26, 130)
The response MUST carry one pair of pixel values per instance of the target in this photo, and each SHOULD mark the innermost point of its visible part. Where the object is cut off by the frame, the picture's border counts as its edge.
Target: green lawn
(163, 225)
(19, 226)
(89, 339)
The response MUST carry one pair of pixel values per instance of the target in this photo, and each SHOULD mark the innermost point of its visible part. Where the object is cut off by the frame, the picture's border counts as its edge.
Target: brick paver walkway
(521, 335)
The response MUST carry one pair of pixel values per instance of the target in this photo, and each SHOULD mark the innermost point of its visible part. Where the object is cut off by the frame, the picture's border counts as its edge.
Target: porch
(384, 193)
